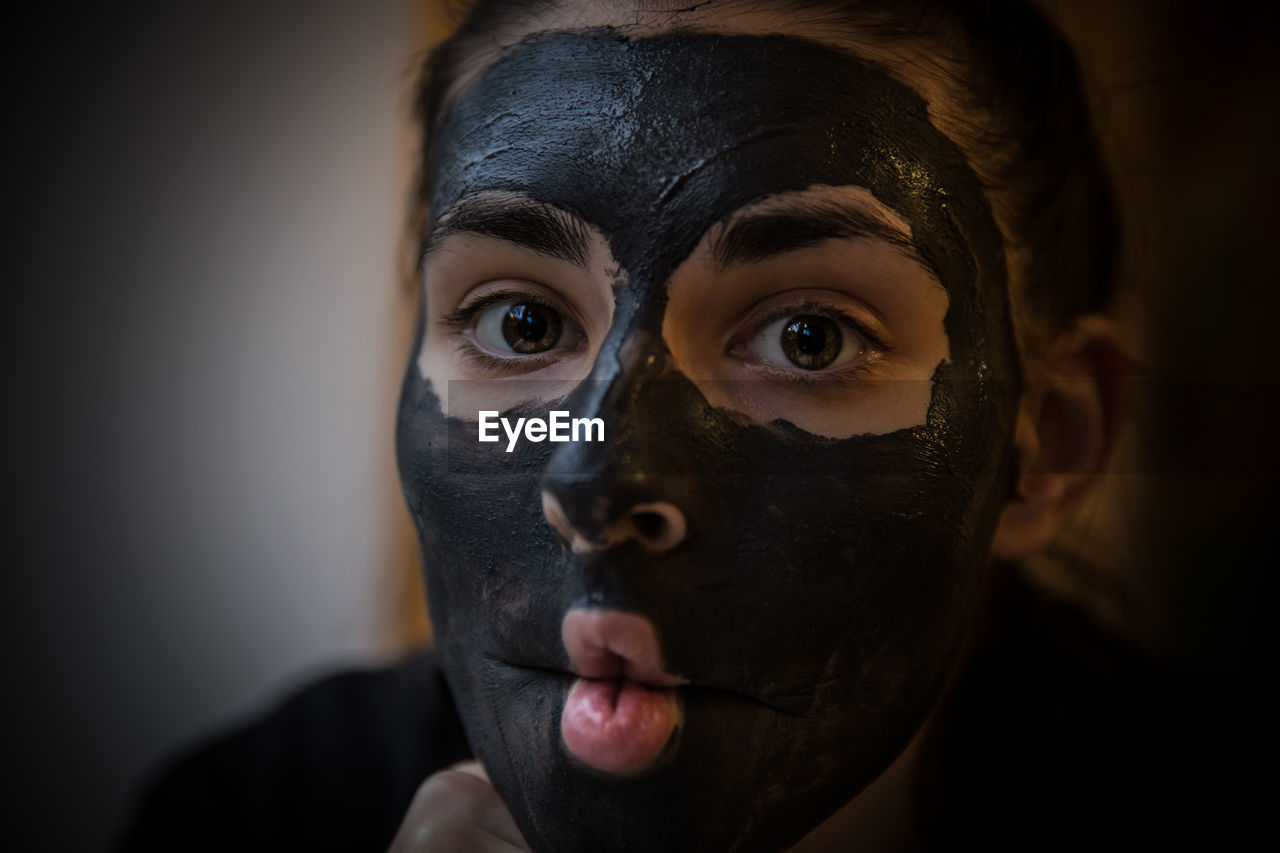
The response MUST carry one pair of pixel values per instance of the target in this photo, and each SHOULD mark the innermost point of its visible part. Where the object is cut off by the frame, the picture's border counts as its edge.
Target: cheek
(887, 393)
(800, 549)
(850, 563)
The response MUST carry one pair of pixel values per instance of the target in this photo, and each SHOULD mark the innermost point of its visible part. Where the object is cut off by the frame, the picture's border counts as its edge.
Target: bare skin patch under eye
(504, 247)
(838, 253)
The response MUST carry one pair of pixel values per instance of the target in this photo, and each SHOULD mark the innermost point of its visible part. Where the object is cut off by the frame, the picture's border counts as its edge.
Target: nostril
(660, 526)
(650, 525)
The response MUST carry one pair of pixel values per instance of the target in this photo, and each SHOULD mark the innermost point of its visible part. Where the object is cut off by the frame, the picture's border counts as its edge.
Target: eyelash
(460, 320)
(836, 379)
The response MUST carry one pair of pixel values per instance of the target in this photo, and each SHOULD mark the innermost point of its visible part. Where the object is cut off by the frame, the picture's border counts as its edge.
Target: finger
(494, 815)
(455, 837)
(451, 798)
(473, 768)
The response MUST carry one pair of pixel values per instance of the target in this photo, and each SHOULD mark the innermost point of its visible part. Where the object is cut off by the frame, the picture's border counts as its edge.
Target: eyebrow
(518, 220)
(800, 224)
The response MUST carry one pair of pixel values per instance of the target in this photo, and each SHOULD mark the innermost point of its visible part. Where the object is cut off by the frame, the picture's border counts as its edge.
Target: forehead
(654, 140)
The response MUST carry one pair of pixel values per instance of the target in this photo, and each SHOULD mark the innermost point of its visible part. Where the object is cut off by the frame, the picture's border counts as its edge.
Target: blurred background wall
(207, 321)
(1178, 540)
(212, 322)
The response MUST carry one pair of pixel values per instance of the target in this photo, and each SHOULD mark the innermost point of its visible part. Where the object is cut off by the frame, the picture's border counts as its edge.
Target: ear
(1064, 434)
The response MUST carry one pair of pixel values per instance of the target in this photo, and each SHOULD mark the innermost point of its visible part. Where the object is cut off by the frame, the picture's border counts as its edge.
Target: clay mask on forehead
(819, 589)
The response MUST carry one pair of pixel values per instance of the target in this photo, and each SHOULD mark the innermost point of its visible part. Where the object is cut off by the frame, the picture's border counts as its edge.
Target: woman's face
(782, 292)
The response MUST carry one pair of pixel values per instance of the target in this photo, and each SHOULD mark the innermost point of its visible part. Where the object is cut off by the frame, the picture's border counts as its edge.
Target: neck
(878, 819)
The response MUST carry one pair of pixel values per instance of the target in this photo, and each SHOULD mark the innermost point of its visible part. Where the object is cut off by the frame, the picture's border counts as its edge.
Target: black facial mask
(825, 585)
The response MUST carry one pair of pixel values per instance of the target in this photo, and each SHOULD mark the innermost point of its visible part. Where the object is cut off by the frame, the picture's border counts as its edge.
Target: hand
(457, 809)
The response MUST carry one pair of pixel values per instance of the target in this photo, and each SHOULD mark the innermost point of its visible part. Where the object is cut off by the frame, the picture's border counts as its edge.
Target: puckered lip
(710, 687)
(602, 670)
(611, 645)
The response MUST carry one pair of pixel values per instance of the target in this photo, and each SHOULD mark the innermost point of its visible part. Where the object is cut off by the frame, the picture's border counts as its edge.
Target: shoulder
(1062, 732)
(332, 768)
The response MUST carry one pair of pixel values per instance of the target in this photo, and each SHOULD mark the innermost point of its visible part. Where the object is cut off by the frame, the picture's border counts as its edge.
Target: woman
(830, 276)
(820, 275)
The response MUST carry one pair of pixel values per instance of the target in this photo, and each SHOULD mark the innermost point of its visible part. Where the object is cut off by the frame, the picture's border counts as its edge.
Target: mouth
(623, 708)
(619, 727)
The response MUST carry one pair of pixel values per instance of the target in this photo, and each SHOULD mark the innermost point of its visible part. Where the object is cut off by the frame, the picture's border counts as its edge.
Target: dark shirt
(334, 768)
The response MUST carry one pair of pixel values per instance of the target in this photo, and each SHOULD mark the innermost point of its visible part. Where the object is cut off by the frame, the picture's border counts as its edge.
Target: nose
(600, 494)
(657, 525)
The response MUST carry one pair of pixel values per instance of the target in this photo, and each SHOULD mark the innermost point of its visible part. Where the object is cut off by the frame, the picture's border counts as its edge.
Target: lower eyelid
(840, 377)
(499, 364)
(473, 352)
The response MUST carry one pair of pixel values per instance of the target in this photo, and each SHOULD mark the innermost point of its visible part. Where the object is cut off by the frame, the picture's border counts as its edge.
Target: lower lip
(619, 727)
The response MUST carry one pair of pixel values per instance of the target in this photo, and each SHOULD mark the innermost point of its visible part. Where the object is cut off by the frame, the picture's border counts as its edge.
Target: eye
(526, 327)
(806, 341)
(522, 327)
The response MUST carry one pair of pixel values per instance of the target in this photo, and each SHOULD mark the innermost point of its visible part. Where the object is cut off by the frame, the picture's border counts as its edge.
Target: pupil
(811, 342)
(810, 339)
(530, 328)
